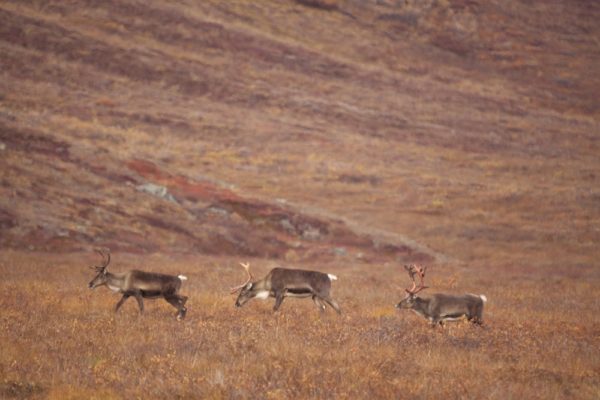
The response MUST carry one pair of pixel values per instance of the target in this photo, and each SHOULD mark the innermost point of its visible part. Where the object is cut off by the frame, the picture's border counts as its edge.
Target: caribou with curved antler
(140, 285)
(282, 282)
(441, 307)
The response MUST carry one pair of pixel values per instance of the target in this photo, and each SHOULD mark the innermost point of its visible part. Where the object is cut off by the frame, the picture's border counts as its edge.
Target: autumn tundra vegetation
(345, 138)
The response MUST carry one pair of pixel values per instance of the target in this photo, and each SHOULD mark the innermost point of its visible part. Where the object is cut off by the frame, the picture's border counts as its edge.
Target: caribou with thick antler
(441, 307)
(282, 282)
(140, 285)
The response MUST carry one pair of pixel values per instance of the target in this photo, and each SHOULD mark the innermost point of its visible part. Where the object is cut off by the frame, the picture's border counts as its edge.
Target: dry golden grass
(469, 128)
(60, 340)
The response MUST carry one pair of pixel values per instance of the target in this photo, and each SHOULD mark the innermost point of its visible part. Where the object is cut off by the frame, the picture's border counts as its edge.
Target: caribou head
(245, 289)
(101, 273)
(411, 294)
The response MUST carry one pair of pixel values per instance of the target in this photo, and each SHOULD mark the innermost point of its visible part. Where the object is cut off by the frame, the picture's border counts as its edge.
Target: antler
(105, 260)
(413, 270)
(250, 277)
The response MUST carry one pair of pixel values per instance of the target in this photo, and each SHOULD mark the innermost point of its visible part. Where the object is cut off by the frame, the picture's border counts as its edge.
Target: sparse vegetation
(342, 136)
(61, 340)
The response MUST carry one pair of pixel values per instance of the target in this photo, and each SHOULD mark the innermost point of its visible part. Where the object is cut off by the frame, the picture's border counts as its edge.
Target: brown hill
(344, 136)
(307, 129)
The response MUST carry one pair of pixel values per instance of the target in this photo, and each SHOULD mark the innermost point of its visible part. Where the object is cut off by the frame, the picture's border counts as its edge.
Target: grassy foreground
(60, 340)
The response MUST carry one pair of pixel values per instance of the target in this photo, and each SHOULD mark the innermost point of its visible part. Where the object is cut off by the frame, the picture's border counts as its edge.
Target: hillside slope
(463, 130)
(345, 136)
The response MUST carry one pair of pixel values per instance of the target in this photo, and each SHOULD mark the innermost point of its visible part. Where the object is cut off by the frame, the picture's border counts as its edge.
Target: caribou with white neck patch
(441, 307)
(282, 282)
(140, 285)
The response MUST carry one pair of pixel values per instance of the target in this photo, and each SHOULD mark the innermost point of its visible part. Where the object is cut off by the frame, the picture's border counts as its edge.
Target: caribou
(283, 282)
(441, 307)
(141, 285)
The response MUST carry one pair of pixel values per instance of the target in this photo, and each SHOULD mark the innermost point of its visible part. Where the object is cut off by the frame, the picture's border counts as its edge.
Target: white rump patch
(263, 294)
(332, 277)
(483, 297)
(182, 277)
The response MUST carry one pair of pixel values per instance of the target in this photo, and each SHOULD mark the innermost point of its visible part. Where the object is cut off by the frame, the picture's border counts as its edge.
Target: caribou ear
(248, 286)
(406, 267)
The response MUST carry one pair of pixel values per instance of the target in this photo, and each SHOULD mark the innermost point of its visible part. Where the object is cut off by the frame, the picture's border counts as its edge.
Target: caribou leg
(318, 303)
(174, 300)
(138, 297)
(333, 304)
(278, 300)
(182, 299)
(120, 303)
(437, 321)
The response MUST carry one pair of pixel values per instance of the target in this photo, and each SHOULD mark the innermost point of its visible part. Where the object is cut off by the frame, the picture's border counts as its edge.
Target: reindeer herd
(281, 283)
